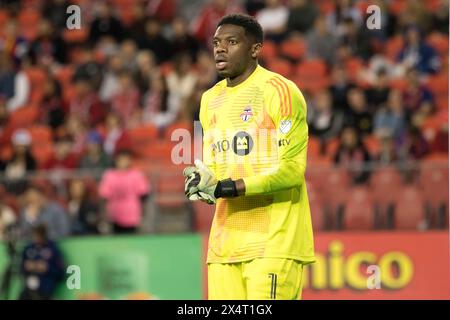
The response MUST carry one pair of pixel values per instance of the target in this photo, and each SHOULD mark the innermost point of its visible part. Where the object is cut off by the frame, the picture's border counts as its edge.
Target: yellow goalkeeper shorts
(258, 279)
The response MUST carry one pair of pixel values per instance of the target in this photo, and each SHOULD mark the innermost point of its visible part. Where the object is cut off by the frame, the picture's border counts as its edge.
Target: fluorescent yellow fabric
(258, 279)
(257, 131)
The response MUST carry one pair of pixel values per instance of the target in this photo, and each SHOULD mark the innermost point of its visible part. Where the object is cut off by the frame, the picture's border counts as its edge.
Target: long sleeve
(21, 92)
(287, 108)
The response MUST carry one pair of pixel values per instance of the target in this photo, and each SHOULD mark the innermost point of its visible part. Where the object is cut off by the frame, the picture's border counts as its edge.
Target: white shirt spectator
(273, 19)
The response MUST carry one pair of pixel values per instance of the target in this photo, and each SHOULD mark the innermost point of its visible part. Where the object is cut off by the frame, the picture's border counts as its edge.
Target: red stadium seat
(435, 183)
(386, 183)
(409, 209)
(187, 125)
(269, 51)
(170, 191)
(24, 117)
(28, 19)
(358, 213)
(439, 42)
(438, 85)
(311, 76)
(281, 66)
(75, 35)
(40, 134)
(142, 139)
(37, 78)
(293, 48)
(334, 186)
(313, 148)
(393, 46)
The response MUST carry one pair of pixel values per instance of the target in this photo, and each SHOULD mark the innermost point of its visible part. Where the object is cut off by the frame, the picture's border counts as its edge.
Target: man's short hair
(250, 25)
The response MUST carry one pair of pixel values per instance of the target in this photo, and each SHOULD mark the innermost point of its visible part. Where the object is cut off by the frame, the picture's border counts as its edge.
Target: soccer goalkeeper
(254, 153)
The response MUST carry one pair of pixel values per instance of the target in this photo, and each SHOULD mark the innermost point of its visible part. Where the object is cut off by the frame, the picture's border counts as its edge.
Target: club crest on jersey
(285, 126)
(247, 114)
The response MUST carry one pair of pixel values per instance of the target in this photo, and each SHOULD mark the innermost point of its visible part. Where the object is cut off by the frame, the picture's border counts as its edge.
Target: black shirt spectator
(105, 24)
(302, 14)
(154, 40)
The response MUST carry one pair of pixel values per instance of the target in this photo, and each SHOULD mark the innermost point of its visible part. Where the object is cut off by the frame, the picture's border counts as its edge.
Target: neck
(232, 82)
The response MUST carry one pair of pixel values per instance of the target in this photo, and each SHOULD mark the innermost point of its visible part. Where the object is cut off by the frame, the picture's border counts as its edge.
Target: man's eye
(233, 42)
(215, 43)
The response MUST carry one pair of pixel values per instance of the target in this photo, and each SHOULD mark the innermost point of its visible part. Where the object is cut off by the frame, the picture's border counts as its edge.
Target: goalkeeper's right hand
(199, 183)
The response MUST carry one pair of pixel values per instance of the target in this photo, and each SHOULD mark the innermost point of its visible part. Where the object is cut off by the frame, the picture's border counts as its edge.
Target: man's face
(232, 50)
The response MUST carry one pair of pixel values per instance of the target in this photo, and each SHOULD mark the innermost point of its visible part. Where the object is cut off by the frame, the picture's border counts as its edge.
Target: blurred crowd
(70, 99)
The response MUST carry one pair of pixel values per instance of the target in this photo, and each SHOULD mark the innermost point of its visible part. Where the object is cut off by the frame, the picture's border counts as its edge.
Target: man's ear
(256, 49)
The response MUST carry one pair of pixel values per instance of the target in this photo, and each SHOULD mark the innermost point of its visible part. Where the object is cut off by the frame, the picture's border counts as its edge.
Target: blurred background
(87, 115)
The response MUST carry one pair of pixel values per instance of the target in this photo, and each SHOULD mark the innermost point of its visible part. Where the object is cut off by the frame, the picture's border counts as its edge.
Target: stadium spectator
(55, 12)
(388, 151)
(440, 17)
(356, 38)
(160, 108)
(14, 84)
(128, 52)
(340, 87)
(87, 69)
(205, 23)
(353, 155)
(126, 100)
(358, 114)
(154, 40)
(37, 209)
(253, 6)
(391, 119)
(417, 54)
(42, 266)
(415, 12)
(302, 14)
(324, 121)
(321, 42)
(416, 96)
(110, 81)
(21, 162)
(182, 79)
(378, 92)
(49, 47)
(14, 45)
(105, 24)
(83, 212)
(76, 129)
(146, 68)
(95, 157)
(63, 157)
(53, 106)
(115, 135)
(182, 40)
(343, 10)
(86, 104)
(414, 145)
(273, 18)
(122, 188)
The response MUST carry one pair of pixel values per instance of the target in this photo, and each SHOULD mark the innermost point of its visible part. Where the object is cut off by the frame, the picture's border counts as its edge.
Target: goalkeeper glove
(191, 182)
(201, 184)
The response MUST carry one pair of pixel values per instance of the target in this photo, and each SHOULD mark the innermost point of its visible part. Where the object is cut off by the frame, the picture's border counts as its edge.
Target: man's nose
(221, 48)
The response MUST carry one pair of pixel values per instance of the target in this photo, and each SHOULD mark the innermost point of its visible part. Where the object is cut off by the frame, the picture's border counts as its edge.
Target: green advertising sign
(130, 267)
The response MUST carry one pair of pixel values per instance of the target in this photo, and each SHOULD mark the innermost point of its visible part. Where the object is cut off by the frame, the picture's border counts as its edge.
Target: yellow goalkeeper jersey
(257, 131)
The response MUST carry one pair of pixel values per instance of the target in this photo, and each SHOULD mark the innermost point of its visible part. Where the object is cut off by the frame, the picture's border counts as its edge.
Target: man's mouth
(221, 63)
